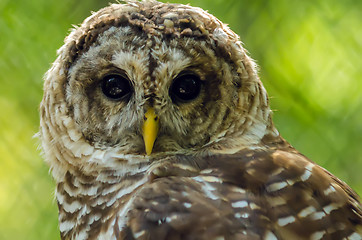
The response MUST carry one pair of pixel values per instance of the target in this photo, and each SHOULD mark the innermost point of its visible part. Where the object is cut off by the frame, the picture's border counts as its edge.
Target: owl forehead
(151, 62)
(151, 19)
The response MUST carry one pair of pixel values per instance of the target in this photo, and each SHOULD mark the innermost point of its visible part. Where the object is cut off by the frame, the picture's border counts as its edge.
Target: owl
(155, 125)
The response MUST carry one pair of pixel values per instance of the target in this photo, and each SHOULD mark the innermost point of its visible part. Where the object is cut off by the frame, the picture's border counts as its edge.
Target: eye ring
(116, 87)
(185, 88)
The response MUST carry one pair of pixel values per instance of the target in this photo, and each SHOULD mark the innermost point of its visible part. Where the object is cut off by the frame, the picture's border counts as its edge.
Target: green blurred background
(310, 58)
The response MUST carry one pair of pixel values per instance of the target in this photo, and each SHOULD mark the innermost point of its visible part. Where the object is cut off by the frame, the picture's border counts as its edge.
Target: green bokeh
(309, 53)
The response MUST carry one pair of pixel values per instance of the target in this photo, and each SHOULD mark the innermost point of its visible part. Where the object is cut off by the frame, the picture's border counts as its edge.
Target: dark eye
(185, 88)
(116, 87)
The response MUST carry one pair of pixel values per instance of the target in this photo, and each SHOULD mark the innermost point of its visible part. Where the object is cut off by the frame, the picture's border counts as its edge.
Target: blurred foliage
(309, 53)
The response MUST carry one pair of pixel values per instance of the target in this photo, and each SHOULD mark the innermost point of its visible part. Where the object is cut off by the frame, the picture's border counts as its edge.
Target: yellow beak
(150, 129)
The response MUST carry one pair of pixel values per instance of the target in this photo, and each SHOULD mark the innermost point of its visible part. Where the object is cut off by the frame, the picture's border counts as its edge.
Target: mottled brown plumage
(217, 167)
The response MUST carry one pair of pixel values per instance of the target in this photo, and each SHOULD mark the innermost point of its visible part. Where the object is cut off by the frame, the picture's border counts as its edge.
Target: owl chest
(94, 211)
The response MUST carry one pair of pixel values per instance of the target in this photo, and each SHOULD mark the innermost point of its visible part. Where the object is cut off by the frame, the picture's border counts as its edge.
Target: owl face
(114, 83)
(177, 62)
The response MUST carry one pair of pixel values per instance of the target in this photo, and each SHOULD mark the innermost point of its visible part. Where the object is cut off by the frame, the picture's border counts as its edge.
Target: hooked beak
(150, 129)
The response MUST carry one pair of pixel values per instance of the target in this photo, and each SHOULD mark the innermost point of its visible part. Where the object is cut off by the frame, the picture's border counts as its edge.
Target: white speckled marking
(329, 208)
(239, 204)
(307, 211)
(318, 215)
(212, 179)
(238, 190)
(198, 179)
(66, 226)
(355, 236)
(290, 182)
(309, 167)
(185, 167)
(317, 235)
(71, 208)
(306, 175)
(94, 218)
(82, 235)
(206, 171)
(269, 236)
(276, 186)
(139, 234)
(286, 220)
(187, 205)
(254, 206)
(245, 215)
(329, 190)
(277, 171)
(208, 190)
(237, 215)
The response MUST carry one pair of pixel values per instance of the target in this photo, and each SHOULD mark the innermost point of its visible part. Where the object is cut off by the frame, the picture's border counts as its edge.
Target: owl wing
(258, 194)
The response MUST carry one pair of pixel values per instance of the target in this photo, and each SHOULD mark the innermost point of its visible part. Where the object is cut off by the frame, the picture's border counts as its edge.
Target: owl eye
(116, 87)
(185, 88)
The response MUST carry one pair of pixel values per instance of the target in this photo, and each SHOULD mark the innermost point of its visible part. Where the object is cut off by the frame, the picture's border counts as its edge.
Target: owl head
(148, 78)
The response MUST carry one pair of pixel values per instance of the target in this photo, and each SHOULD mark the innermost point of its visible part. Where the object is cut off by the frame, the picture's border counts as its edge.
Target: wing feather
(253, 194)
